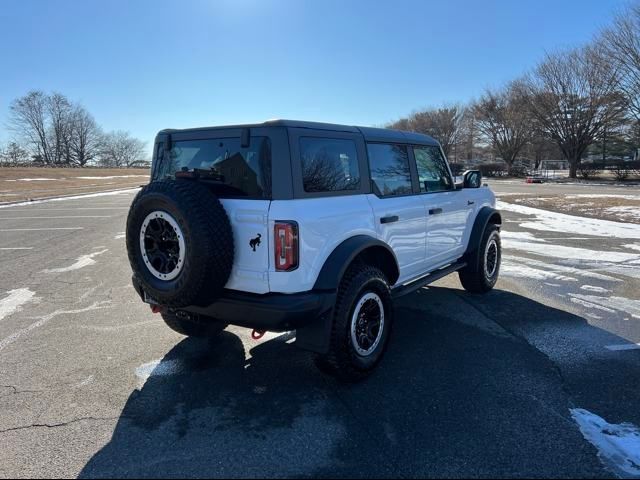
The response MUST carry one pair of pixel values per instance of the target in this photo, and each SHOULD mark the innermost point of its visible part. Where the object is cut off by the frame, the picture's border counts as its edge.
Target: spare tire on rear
(180, 243)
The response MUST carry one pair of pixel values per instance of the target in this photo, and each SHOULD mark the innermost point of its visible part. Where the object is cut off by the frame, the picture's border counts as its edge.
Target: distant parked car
(535, 179)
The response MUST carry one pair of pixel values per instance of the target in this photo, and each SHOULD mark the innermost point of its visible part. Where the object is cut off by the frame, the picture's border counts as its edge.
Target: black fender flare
(339, 260)
(485, 216)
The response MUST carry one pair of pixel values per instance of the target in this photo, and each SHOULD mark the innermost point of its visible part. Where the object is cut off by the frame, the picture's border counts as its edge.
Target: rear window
(329, 164)
(237, 171)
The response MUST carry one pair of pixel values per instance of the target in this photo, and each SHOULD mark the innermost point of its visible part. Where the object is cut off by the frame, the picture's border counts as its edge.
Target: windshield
(238, 171)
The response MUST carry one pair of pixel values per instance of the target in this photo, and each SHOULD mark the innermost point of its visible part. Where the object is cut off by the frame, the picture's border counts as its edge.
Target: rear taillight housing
(285, 236)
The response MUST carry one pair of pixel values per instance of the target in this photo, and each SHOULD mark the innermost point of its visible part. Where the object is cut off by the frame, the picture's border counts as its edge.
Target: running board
(426, 280)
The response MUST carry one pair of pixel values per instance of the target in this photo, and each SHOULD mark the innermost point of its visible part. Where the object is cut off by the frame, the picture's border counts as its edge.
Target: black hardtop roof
(370, 134)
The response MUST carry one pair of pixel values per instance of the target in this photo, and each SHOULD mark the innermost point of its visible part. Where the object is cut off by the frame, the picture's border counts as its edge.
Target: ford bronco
(312, 227)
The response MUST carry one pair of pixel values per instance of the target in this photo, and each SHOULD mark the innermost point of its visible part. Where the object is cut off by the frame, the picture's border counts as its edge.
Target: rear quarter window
(235, 171)
(329, 164)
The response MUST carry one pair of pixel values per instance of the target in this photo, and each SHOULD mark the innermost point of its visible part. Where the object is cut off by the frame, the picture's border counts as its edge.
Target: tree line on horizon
(51, 130)
(574, 103)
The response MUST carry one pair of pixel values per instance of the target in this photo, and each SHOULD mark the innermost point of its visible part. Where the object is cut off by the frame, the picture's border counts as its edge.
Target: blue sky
(143, 65)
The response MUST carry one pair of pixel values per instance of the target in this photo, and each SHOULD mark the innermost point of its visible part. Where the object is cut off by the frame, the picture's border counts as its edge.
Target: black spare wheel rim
(180, 243)
(162, 245)
(367, 324)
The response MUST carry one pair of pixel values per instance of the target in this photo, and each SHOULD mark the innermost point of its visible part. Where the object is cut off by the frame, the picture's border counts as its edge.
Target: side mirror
(472, 179)
(458, 182)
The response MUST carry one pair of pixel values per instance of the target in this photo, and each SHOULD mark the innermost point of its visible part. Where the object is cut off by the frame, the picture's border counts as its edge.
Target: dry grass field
(23, 184)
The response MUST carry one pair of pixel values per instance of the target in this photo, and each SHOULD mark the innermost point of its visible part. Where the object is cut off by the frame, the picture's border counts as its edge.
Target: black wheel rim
(491, 258)
(367, 324)
(162, 245)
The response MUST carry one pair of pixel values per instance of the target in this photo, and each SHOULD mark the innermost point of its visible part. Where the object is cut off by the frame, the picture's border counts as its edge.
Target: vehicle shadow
(450, 399)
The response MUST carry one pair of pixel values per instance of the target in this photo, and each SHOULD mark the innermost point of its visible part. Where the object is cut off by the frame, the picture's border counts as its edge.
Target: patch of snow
(632, 246)
(157, 368)
(608, 304)
(72, 197)
(523, 271)
(633, 212)
(81, 262)
(14, 301)
(520, 236)
(591, 288)
(560, 268)
(120, 235)
(618, 445)
(586, 304)
(548, 221)
(564, 252)
(628, 270)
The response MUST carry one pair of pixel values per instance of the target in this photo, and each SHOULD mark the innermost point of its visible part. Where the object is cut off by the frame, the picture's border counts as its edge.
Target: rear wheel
(192, 325)
(481, 273)
(362, 321)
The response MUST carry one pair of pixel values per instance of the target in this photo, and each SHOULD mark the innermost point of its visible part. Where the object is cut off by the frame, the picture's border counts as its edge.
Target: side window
(329, 164)
(433, 173)
(389, 165)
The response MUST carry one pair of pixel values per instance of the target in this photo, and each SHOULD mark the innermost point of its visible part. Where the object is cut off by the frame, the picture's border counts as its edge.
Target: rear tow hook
(258, 334)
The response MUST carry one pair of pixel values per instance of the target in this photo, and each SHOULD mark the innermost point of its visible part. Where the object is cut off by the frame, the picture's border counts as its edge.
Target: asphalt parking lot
(93, 385)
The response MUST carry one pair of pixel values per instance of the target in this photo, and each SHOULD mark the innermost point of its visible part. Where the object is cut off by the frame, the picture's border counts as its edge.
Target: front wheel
(362, 321)
(481, 273)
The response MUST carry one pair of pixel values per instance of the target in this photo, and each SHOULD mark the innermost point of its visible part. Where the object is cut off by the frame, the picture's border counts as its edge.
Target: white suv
(304, 226)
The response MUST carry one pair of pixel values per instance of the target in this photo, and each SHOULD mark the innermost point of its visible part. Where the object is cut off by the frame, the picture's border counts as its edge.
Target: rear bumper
(277, 312)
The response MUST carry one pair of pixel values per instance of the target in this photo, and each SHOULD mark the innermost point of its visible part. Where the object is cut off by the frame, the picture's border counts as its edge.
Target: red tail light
(285, 236)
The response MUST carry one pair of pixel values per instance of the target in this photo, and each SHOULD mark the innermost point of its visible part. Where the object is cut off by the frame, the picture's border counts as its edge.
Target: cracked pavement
(472, 386)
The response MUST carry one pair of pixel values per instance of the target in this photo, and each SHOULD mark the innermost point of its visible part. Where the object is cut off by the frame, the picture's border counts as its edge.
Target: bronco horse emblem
(255, 242)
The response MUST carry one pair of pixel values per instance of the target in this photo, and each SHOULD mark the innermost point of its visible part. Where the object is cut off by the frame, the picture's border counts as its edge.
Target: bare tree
(86, 138)
(573, 95)
(541, 148)
(442, 123)
(48, 126)
(503, 121)
(13, 154)
(119, 149)
(28, 120)
(622, 44)
(60, 110)
(466, 146)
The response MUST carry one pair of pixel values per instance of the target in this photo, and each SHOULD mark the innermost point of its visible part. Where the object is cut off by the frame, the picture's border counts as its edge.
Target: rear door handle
(470, 202)
(389, 219)
(435, 211)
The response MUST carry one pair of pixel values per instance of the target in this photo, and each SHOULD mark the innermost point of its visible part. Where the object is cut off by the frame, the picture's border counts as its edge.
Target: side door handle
(470, 202)
(389, 219)
(435, 211)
